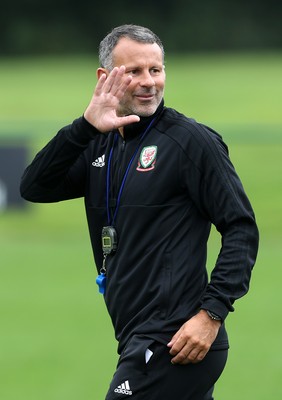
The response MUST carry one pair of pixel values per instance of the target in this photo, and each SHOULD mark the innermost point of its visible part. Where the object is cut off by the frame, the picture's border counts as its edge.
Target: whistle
(101, 282)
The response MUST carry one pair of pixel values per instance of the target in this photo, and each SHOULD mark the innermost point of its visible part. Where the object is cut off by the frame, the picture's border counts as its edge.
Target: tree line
(72, 26)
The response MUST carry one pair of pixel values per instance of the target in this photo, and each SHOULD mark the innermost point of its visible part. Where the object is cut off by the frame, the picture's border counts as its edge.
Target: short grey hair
(133, 32)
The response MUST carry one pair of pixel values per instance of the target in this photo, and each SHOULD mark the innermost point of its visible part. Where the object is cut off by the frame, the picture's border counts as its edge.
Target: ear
(100, 71)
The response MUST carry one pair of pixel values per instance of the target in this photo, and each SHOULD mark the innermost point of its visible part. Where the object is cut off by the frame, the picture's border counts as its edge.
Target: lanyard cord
(111, 222)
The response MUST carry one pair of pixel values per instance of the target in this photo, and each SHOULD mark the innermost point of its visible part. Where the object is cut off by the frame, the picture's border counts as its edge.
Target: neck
(138, 127)
(121, 131)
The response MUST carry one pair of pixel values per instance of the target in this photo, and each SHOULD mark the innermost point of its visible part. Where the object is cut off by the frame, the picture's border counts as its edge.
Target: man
(153, 181)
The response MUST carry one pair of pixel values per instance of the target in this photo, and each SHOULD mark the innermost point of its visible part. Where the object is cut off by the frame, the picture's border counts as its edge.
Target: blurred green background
(56, 340)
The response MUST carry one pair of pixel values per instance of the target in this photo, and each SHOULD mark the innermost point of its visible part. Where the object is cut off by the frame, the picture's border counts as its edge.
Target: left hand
(102, 109)
(193, 340)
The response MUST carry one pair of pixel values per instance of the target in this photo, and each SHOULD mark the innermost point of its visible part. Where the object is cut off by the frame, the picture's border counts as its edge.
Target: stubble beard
(142, 110)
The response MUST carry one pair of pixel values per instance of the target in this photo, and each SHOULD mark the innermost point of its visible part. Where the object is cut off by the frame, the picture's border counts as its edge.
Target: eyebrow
(135, 66)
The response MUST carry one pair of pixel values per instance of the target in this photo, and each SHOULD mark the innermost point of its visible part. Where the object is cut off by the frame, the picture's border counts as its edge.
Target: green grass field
(56, 340)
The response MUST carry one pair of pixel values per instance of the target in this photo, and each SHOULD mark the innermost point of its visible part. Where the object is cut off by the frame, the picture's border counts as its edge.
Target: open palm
(102, 109)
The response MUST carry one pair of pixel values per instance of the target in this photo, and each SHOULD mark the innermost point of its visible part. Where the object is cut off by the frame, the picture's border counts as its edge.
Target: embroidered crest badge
(147, 159)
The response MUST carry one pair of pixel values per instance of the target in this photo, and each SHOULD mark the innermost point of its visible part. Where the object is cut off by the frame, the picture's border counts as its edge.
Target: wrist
(213, 316)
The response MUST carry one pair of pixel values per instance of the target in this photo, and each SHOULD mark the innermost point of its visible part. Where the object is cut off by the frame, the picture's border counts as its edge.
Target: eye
(155, 71)
(133, 71)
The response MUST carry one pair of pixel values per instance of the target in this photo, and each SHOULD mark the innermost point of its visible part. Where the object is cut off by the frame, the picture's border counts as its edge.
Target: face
(144, 62)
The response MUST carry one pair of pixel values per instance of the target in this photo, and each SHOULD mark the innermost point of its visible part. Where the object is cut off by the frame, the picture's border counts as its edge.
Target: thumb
(129, 119)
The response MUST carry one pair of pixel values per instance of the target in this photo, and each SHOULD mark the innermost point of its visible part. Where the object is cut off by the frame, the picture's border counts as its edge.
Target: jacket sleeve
(58, 170)
(217, 192)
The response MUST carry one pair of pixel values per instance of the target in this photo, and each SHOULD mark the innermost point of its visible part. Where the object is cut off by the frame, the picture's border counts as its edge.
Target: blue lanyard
(111, 222)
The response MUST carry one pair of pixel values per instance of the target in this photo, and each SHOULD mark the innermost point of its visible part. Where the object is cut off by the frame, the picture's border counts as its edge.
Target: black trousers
(155, 378)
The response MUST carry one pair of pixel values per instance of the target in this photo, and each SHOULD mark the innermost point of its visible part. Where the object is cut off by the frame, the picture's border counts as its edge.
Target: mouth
(145, 96)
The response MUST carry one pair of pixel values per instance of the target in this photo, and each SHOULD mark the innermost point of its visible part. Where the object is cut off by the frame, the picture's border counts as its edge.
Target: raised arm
(57, 172)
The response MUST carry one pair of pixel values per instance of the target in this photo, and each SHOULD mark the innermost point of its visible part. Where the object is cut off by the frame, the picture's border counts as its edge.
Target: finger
(194, 358)
(114, 80)
(100, 84)
(201, 355)
(186, 356)
(177, 346)
(177, 342)
(123, 87)
(118, 80)
(175, 338)
(130, 119)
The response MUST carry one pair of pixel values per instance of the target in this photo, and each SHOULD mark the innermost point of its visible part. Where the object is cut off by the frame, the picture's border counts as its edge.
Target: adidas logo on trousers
(124, 388)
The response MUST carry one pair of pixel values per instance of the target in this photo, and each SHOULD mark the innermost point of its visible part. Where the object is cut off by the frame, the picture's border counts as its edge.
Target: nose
(147, 79)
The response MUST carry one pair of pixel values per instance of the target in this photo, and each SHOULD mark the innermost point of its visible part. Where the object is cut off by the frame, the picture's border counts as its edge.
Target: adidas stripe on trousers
(155, 378)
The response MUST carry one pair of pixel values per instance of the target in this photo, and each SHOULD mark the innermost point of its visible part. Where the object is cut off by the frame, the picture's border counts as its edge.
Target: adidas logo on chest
(99, 162)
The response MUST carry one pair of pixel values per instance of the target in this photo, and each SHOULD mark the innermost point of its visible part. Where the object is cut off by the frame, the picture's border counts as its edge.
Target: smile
(145, 97)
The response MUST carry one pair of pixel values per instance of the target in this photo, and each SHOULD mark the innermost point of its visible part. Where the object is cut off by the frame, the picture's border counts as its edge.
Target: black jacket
(157, 279)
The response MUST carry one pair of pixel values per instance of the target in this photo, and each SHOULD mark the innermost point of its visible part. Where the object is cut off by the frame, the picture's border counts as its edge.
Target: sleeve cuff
(216, 307)
(82, 132)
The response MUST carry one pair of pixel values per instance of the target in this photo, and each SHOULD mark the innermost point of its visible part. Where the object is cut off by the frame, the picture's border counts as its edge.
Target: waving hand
(102, 109)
